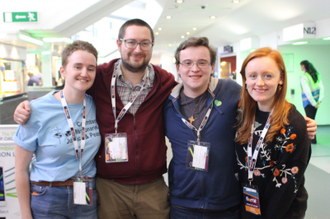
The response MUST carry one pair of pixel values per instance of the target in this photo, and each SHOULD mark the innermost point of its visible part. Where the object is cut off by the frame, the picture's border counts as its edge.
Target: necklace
(192, 119)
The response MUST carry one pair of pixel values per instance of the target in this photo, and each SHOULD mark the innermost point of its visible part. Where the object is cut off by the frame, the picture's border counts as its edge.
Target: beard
(126, 63)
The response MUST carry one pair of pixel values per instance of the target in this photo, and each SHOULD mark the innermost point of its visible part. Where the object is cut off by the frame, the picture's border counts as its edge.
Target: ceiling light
(168, 17)
(300, 43)
(326, 38)
(169, 45)
(53, 40)
(194, 28)
(235, 1)
(30, 40)
(159, 28)
(156, 33)
(182, 36)
(3, 35)
(179, 1)
(213, 17)
(188, 33)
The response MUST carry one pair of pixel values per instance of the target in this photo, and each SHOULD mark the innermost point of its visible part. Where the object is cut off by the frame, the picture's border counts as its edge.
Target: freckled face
(262, 79)
(80, 71)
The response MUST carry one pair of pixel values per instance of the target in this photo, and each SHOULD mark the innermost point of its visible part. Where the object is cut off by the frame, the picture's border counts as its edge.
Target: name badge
(116, 147)
(251, 199)
(83, 192)
(198, 155)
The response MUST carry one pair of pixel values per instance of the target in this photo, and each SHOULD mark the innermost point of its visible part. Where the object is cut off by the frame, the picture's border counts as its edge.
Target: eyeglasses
(132, 44)
(190, 64)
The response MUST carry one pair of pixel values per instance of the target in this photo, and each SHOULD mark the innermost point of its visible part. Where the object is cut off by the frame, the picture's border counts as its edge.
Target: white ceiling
(233, 22)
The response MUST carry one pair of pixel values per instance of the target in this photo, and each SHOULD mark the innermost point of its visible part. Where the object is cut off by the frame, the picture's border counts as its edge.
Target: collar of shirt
(149, 75)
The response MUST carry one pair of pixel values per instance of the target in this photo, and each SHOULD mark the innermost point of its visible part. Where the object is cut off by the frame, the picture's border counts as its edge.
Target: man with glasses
(129, 94)
(199, 122)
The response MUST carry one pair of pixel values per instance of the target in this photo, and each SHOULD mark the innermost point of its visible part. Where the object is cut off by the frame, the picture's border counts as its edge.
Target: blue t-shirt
(48, 135)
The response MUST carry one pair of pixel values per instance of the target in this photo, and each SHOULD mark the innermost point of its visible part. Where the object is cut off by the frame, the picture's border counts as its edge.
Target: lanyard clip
(198, 137)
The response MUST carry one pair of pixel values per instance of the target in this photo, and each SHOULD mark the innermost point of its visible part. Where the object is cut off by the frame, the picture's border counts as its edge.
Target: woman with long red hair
(272, 143)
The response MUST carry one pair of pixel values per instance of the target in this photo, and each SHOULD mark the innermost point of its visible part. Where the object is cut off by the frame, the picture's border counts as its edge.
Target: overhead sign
(11, 17)
(299, 31)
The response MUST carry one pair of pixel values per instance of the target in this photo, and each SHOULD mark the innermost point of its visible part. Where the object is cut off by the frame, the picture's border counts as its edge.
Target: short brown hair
(136, 22)
(194, 42)
(75, 46)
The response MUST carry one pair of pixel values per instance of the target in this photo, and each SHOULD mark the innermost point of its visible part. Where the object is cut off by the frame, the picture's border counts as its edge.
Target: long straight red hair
(248, 105)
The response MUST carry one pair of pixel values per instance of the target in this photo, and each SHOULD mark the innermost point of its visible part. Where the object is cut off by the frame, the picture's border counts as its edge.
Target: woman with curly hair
(272, 144)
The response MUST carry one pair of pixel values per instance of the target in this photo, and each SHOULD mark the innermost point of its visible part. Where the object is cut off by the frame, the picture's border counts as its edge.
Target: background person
(34, 79)
(272, 146)
(312, 90)
(52, 137)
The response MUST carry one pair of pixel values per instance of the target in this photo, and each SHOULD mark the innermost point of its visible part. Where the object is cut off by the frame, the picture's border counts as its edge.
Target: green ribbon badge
(217, 102)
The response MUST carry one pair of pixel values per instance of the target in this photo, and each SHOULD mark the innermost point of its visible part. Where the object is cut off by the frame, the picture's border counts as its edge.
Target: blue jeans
(178, 212)
(57, 203)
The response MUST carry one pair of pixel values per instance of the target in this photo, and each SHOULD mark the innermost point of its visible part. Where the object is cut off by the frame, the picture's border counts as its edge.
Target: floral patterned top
(279, 171)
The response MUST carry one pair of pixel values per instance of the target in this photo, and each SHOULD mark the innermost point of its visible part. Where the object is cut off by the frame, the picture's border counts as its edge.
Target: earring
(280, 87)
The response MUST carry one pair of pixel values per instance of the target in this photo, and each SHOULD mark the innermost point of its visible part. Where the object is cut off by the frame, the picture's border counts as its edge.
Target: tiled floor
(317, 176)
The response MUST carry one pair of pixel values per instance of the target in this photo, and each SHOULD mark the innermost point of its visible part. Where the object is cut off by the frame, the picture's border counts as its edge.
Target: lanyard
(202, 125)
(252, 159)
(113, 99)
(83, 125)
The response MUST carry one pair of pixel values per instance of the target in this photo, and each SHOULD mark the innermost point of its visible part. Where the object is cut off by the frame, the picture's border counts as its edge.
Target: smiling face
(79, 72)
(262, 79)
(135, 60)
(195, 79)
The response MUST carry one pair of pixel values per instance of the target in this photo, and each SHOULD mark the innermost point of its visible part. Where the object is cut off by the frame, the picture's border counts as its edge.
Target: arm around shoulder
(22, 112)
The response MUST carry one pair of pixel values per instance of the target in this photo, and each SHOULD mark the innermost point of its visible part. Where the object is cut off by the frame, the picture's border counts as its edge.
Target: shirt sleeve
(307, 90)
(321, 90)
(26, 135)
(293, 155)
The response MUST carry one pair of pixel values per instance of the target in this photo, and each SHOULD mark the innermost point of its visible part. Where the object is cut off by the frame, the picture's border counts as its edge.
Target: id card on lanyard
(198, 151)
(82, 186)
(250, 192)
(116, 149)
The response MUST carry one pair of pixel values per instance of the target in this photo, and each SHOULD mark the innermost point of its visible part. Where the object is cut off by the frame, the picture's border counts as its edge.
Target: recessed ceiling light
(179, 1)
(159, 28)
(194, 28)
(213, 17)
(169, 45)
(156, 33)
(300, 43)
(168, 17)
(326, 38)
(188, 33)
(235, 1)
(182, 36)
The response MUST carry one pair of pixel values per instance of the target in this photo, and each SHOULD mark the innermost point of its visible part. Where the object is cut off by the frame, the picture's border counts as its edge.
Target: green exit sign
(10, 17)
